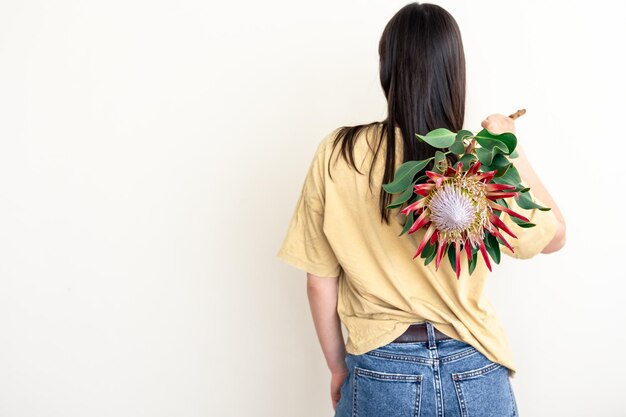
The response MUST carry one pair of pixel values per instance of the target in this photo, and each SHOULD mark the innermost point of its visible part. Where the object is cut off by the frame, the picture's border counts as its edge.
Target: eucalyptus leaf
(406, 194)
(501, 163)
(458, 147)
(522, 223)
(490, 144)
(428, 249)
(493, 247)
(404, 176)
(430, 258)
(439, 138)
(440, 162)
(473, 261)
(408, 223)
(452, 256)
(485, 156)
(463, 135)
(511, 176)
(431, 255)
(526, 202)
(508, 139)
(466, 160)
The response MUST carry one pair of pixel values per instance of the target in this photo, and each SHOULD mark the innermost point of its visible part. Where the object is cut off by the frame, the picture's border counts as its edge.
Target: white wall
(152, 152)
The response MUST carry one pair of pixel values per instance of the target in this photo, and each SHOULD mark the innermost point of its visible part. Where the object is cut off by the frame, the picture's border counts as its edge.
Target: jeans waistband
(421, 332)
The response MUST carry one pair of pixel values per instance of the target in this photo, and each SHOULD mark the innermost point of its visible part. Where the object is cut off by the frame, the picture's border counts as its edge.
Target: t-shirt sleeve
(531, 240)
(306, 246)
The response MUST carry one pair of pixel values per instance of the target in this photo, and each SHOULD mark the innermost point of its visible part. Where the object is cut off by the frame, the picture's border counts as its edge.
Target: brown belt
(419, 333)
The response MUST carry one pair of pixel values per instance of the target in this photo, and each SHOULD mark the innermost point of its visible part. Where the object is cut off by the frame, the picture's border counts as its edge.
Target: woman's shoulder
(365, 137)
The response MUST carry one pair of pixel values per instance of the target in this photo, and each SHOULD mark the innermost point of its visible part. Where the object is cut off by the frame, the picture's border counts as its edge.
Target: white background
(151, 155)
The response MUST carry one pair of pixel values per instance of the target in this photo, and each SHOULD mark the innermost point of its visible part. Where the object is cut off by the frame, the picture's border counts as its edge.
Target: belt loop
(431, 335)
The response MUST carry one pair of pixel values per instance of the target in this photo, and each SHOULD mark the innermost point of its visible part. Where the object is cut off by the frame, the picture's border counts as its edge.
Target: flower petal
(500, 195)
(483, 250)
(427, 235)
(499, 187)
(457, 252)
(419, 222)
(496, 221)
(413, 206)
(468, 249)
(434, 237)
(440, 251)
(474, 168)
(496, 233)
(487, 176)
(497, 206)
(438, 178)
(424, 188)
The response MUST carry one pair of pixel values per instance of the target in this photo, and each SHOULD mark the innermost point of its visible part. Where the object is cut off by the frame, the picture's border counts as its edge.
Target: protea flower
(457, 208)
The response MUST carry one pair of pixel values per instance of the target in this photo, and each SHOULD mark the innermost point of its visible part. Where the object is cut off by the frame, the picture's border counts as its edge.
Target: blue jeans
(439, 378)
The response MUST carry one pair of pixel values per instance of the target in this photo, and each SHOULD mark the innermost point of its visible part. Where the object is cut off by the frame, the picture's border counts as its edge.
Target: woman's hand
(336, 380)
(498, 123)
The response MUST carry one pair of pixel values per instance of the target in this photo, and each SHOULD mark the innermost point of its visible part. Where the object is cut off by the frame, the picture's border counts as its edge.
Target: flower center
(451, 209)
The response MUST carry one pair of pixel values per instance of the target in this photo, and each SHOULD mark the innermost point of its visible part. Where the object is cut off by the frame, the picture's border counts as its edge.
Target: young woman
(420, 341)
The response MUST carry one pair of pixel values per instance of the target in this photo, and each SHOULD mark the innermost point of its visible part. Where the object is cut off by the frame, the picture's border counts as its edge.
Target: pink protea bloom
(457, 207)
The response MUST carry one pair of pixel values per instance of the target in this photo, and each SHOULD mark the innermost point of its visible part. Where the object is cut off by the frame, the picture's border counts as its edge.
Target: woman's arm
(322, 294)
(531, 179)
(499, 123)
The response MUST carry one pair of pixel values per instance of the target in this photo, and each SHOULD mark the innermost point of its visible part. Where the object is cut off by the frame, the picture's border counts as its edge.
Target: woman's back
(336, 231)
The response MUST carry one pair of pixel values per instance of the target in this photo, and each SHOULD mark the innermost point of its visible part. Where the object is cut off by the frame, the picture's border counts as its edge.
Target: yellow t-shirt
(336, 231)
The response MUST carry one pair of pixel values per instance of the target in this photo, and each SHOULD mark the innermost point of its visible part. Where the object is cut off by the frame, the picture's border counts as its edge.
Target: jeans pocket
(485, 392)
(377, 394)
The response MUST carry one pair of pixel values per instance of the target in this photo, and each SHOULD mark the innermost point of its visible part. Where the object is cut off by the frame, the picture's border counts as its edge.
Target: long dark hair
(422, 72)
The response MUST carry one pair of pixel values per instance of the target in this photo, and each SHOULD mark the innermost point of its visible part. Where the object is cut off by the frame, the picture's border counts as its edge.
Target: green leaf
(491, 144)
(404, 175)
(439, 138)
(501, 163)
(440, 162)
(508, 139)
(408, 223)
(473, 261)
(485, 156)
(464, 135)
(522, 223)
(458, 147)
(511, 176)
(513, 154)
(431, 255)
(466, 159)
(452, 256)
(428, 249)
(493, 247)
(403, 197)
(526, 202)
